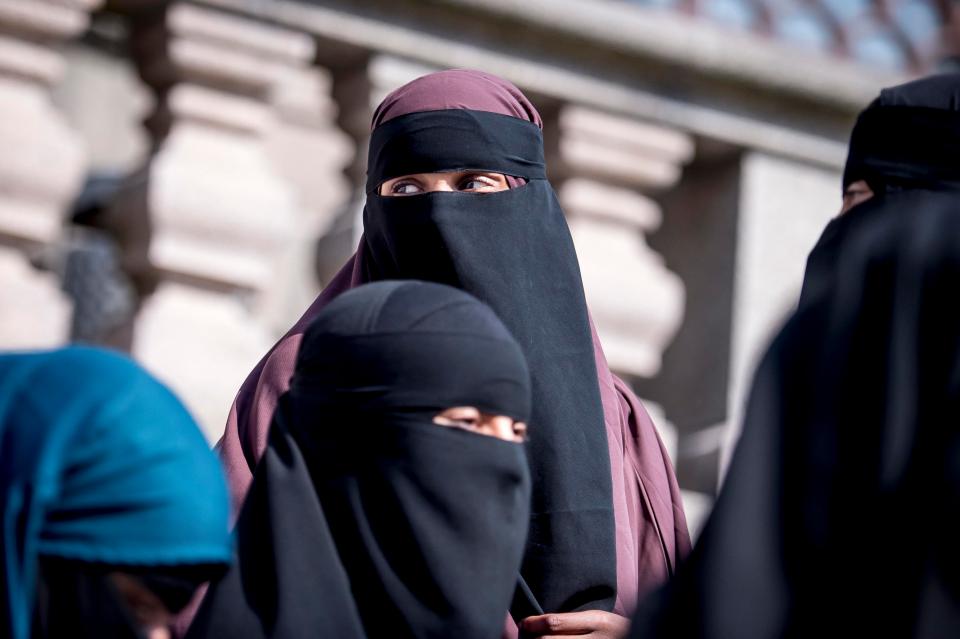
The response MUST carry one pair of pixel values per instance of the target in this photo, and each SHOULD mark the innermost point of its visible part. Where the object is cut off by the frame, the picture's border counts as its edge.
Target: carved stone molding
(219, 209)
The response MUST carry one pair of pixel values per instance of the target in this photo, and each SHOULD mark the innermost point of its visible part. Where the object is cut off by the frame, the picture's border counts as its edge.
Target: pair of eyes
(858, 191)
(476, 182)
(470, 418)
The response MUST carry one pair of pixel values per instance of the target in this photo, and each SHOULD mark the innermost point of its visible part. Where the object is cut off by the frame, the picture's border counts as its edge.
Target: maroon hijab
(651, 530)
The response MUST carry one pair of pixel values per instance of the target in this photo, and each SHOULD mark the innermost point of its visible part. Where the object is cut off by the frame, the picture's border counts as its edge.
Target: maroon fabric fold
(651, 529)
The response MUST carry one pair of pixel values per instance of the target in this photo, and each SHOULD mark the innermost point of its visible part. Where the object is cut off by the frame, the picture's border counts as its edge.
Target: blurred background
(179, 179)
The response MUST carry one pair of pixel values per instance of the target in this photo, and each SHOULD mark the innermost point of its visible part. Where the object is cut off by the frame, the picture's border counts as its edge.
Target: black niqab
(512, 249)
(366, 519)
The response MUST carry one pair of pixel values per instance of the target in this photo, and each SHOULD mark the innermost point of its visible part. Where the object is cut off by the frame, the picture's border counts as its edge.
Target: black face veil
(366, 519)
(513, 250)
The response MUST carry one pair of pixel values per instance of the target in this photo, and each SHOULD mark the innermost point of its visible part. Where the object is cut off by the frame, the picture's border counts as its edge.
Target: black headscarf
(908, 138)
(513, 250)
(841, 509)
(365, 518)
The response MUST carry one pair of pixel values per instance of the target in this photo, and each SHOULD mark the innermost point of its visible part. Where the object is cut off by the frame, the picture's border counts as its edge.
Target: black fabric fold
(905, 147)
(513, 250)
(452, 139)
(358, 381)
(908, 138)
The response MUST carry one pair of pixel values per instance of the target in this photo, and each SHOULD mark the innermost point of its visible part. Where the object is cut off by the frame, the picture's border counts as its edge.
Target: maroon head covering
(457, 89)
(651, 532)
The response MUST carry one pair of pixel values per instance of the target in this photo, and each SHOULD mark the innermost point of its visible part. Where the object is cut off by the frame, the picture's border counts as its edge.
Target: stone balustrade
(41, 166)
(224, 217)
(604, 164)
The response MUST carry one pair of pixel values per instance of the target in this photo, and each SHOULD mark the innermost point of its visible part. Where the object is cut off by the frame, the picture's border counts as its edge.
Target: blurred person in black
(840, 514)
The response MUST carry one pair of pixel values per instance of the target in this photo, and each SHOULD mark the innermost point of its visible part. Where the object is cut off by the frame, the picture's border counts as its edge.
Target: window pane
(737, 13)
(803, 27)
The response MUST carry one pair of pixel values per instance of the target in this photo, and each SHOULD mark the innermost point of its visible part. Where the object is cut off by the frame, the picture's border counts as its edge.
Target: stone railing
(41, 166)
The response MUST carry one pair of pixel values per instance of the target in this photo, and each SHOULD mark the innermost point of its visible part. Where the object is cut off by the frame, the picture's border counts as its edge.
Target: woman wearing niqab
(607, 522)
(114, 508)
(366, 517)
(841, 511)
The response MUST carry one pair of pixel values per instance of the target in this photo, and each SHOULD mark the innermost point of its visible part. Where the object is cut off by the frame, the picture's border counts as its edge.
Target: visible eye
(474, 184)
(406, 188)
(465, 421)
(481, 182)
(520, 430)
(461, 416)
(855, 194)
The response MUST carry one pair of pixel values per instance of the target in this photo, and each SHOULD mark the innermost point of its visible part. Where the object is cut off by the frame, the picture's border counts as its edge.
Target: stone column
(606, 163)
(41, 166)
(351, 91)
(360, 82)
(310, 151)
(220, 215)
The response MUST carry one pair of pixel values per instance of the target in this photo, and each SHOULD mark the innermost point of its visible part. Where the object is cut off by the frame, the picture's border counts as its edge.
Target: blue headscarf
(99, 463)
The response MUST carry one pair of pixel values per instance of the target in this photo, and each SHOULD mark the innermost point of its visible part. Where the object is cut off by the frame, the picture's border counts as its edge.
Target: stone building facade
(178, 179)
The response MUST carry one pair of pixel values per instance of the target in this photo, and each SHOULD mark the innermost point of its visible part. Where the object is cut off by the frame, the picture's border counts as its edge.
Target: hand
(597, 624)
